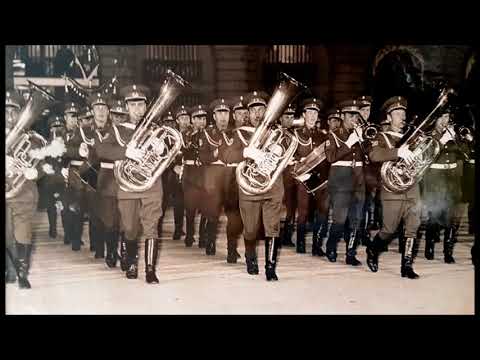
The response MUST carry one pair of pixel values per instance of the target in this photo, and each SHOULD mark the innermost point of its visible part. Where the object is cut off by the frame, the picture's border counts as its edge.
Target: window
(184, 60)
(289, 54)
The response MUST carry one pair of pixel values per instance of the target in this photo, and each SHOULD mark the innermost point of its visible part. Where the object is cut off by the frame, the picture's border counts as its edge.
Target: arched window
(182, 59)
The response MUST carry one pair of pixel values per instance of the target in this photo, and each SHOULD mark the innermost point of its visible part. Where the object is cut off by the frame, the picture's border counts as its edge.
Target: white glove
(447, 136)
(177, 169)
(59, 205)
(253, 154)
(134, 154)
(304, 177)
(405, 153)
(354, 138)
(31, 174)
(64, 172)
(83, 150)
(48, 169)
(215, 153)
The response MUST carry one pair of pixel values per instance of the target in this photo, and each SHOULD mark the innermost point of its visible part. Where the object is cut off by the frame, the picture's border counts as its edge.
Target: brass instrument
(257, 177)
(312, 171)
(398, 176)
(19, 143)
(133, 176)
(465, 134)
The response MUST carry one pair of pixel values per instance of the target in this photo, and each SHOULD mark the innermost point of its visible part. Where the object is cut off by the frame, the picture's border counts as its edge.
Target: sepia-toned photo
(309, 179)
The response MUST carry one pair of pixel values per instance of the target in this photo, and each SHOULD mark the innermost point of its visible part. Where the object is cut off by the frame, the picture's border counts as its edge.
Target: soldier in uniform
(372, 182)
(136, 208)
(290, 193)
(118, 111)
(172, 187)
(85, 118)
(308, 138)
(396, 206)
(467, 145)
(102, 204)
(323, 216)
(192, 179)
(346, 182)
(239, 112)
(20, 209)
(321, 198)
(79, 179)
(255, 209)
(442, 191)
(218, 178)
(55, 184)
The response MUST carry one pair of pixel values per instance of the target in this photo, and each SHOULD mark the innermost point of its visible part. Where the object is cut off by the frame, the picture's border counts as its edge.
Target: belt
(347, 163)
(218, 162)
(232, 165)
(189, 162)
(471, 161)
(443, 166)
(76, 162)
(106, 165)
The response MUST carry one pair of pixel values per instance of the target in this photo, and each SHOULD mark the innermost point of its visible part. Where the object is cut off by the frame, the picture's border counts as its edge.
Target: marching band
(340, 176)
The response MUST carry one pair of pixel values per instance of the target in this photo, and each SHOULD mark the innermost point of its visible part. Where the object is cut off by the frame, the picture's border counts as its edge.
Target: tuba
(258, 177)
(133, 176)
(20, 143)
(398, 176)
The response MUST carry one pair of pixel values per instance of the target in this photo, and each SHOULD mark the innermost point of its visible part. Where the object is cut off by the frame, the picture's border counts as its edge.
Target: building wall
(343, 70)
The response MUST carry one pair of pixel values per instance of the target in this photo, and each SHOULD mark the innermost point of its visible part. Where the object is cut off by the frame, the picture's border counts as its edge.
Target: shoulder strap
(387, 140)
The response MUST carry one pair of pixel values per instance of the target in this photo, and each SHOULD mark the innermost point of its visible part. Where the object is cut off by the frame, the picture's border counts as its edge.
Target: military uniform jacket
(192, 171)
(113, 148)
(76, 164)
(308, 139)
(383, 148)
(344, 178)
(106, 183)
(210, 142)
(444, 182)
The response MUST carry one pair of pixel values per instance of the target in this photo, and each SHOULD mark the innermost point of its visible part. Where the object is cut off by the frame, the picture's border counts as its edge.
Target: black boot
(151, 255)
(10, 271)
(287, 235)
(401, 239)
(350, 258)
(177, 233)
(334, 235)
(66, 227)
(429, 242)
(407, 260)
(132, 260)
(232, 249)
(52, 221)
(271, 258)
(190, 227)
(22, 266)
(372, 253)
(301, 229)
(123, 253)
(448, 244)
(252, 264)
(111, 240)
(211, 238)
(202, 233)
(317, 245)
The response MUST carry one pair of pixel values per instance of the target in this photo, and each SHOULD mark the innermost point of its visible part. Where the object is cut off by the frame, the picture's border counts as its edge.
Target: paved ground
(66, 282)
